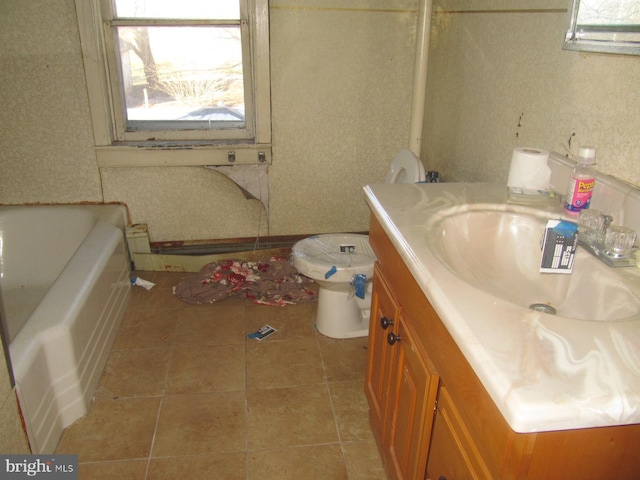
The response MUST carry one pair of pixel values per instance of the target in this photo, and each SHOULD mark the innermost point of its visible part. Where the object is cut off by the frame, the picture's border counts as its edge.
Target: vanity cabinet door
(412, 401)
(384, 315)
(453, 454)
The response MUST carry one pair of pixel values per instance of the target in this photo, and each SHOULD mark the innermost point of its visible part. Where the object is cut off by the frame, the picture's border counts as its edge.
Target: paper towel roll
(529, 169)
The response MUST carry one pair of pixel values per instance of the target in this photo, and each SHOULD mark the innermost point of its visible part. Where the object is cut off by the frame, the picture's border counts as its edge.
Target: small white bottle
(581, 182)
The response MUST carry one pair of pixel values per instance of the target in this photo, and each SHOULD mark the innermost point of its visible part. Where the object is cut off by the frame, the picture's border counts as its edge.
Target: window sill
(177, 154)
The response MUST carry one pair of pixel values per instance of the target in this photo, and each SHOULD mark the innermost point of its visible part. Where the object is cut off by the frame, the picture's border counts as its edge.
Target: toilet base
(341, 314)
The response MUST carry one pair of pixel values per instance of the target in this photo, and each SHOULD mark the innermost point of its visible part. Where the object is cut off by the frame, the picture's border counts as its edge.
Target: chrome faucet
(614, 245)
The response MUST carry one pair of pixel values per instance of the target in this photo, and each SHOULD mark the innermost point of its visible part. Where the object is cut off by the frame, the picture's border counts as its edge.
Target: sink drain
(543, 307)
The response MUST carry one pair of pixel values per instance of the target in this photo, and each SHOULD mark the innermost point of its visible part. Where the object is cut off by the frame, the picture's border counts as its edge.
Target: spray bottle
(581, 182)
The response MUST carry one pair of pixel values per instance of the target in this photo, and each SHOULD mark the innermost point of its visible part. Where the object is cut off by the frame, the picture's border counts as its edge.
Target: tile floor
(186, 395)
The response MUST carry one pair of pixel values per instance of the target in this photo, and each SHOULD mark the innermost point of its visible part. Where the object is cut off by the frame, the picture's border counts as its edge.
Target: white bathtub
(64, 282)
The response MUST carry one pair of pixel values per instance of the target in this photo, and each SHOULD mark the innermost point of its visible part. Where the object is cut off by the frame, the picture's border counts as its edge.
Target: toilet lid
(405, 168)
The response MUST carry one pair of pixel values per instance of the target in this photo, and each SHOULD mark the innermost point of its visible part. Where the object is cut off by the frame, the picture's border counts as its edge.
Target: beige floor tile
(114, 470)
(351, 410)
(186, 395)
(207, 369)
(225, 466)
(363, 460)
(201, 424)
(161, 296)
(113, 430)
(276, 364)
(292, 321)
(140, 372)
(316, 462)
(147, 329)
(344, 359)
(211, 325)
(290, 417)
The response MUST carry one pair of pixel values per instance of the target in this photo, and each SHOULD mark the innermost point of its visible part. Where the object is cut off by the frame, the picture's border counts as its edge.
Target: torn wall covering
(187, 203)
(253, 180)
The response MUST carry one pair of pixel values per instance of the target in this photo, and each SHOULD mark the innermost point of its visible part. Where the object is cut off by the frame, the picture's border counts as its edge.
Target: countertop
(543, 372)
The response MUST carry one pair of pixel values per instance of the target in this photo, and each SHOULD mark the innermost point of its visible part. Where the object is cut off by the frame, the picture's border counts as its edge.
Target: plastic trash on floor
(139, 282)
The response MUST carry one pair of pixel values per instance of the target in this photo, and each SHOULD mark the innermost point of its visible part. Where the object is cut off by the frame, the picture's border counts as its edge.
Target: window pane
(190, 75)
(166, 9)
(609, 12)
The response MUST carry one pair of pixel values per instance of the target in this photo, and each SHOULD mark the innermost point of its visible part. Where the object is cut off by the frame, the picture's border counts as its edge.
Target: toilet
(342, 266)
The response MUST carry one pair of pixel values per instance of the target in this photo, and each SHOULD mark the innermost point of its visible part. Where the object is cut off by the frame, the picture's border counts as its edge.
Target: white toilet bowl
(333, 260)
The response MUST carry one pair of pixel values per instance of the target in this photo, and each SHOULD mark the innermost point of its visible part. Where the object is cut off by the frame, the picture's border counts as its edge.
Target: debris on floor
(270, 282)
(263, 333)
(140, 282)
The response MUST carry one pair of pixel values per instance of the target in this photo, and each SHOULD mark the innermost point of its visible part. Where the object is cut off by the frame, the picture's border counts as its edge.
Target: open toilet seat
(405, 168)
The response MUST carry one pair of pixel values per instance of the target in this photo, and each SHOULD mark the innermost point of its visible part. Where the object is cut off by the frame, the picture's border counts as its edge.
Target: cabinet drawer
(453, 454)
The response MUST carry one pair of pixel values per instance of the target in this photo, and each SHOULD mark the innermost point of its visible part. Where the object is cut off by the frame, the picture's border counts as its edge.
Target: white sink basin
(477, 261)
(497, 249)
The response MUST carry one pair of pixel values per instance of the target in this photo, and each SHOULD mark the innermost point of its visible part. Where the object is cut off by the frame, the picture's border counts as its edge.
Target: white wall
(341, 102)
(498, 78)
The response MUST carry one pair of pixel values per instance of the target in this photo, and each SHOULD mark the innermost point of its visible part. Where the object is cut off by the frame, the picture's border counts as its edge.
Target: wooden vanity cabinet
(384, 319)
(401, 386)
(412, 400)
(453, 453)
(431, 415)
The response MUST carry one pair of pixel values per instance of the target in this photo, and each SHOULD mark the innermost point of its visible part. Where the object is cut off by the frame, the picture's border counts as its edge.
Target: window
(610, 26)
(188, 75)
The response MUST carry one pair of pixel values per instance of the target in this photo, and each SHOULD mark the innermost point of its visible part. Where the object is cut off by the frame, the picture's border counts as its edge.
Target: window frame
(115, 147)
(598, 36)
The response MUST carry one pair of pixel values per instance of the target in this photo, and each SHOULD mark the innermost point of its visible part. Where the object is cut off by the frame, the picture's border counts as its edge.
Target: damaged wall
(498, 78)
(341, 81)
(185, 203)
